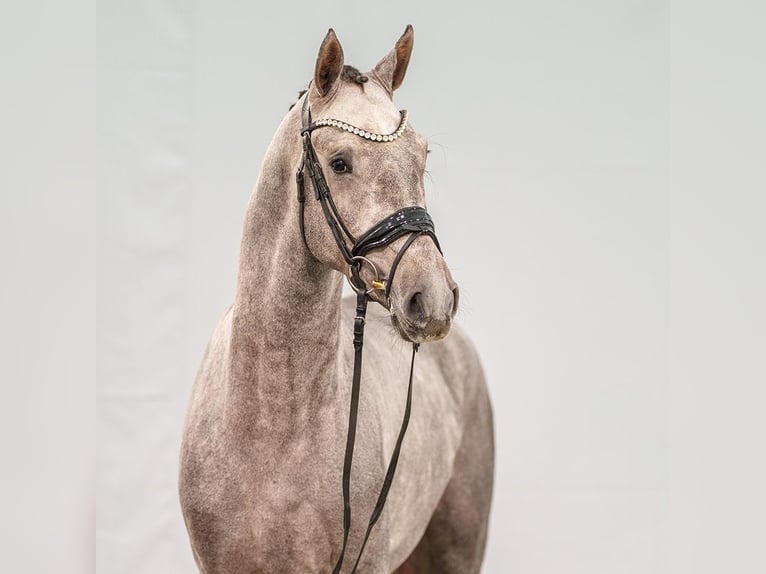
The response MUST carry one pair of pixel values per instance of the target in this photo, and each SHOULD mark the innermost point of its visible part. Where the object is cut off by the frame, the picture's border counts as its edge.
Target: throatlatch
(413, 221)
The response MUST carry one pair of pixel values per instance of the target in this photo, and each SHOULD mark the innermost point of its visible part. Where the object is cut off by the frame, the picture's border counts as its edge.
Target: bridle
(409, 220)
(412, 221)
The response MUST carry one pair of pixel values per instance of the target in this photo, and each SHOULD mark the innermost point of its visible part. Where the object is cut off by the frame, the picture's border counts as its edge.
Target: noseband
(409, 221)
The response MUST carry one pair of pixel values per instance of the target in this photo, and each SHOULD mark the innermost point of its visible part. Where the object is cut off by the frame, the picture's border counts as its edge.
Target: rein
(413, 221)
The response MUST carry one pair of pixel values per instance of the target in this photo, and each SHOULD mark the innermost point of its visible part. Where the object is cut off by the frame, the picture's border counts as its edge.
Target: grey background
(548, 180)
(551, 185)
(597, 167)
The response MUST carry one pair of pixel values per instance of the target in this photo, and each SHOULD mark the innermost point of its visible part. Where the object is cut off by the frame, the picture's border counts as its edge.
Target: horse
(265, 428)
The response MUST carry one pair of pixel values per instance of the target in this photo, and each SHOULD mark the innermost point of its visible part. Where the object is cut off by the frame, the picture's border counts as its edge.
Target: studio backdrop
(547, 179)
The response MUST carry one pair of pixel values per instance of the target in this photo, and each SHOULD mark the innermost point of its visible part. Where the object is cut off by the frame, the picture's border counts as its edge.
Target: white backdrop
(552, 126)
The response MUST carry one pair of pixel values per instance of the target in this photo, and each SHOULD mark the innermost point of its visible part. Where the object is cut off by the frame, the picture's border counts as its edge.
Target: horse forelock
(350, 75)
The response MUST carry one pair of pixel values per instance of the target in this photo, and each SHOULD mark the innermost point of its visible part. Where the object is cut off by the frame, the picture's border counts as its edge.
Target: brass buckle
(353, 276)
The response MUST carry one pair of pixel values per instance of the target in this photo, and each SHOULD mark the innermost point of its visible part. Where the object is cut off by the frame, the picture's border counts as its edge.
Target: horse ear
(329, 63)
(393, 66)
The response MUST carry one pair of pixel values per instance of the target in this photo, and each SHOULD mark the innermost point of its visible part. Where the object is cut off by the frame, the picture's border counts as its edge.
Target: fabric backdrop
(550, 182)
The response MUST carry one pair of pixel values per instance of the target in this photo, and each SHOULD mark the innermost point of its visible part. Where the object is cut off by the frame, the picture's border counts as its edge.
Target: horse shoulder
(203, 445)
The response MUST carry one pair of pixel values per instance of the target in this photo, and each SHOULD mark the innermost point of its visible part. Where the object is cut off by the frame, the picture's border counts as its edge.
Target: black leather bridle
(413, 221)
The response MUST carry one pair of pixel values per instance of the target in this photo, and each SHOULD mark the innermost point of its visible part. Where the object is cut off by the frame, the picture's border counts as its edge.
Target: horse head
(366, 167)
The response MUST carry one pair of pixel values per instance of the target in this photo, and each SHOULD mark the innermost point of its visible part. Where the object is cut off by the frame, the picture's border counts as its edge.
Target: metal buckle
(355, 280)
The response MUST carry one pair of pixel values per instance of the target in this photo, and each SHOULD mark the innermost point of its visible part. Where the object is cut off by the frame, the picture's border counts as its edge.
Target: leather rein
(413, 221)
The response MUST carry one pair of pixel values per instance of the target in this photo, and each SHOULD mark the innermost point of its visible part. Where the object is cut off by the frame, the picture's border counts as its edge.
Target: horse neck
(286, 315)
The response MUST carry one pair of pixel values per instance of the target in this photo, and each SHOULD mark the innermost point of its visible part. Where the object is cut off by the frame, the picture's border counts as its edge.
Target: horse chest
(261, 513)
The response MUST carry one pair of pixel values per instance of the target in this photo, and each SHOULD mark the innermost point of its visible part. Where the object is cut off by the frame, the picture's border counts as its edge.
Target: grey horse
(265, 430)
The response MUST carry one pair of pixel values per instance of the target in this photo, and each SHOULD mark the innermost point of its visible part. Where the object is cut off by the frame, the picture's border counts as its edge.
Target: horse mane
(349, 74)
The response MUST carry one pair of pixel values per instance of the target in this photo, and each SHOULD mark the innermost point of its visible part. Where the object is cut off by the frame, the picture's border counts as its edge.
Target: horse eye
(339, 166)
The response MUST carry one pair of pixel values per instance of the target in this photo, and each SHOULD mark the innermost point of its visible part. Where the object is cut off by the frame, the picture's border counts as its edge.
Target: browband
(309, 126)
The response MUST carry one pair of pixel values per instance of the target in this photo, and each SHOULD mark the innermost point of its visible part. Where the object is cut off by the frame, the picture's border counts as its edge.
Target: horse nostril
(455, 300)
(415, 309)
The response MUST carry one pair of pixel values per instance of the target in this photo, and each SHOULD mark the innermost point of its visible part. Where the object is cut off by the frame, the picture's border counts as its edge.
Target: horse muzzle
(423, 310)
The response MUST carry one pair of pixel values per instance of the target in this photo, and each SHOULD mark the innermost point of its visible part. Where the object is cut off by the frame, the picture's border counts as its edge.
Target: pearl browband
(363, 133)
